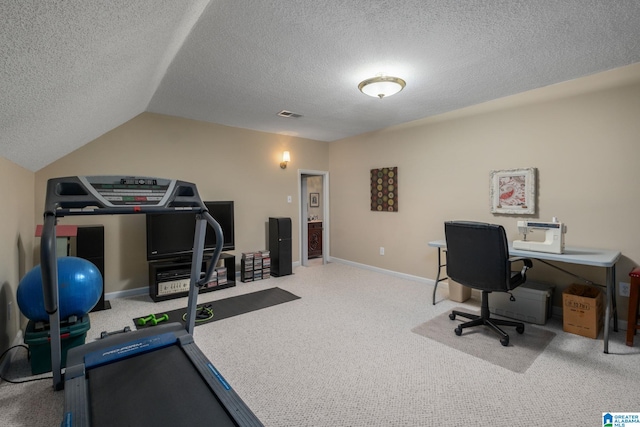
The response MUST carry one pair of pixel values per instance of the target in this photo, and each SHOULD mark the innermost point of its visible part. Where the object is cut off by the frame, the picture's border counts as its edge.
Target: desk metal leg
(611, 306)
(438, 278)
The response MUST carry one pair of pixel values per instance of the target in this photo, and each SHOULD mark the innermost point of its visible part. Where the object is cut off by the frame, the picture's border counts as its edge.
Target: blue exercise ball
(79, 289)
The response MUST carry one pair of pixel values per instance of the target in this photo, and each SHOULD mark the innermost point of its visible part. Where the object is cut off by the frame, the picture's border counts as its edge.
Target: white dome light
(381, 86)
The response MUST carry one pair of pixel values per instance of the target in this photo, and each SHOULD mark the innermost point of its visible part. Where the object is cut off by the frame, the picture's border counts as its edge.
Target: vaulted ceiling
(75, 69)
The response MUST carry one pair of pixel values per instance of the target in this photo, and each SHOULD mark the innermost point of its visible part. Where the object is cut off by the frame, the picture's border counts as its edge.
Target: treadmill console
(115, 194)
(118, 191)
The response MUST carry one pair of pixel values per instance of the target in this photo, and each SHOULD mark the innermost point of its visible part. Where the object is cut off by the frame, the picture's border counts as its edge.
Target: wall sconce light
(286, 158)
(381, 86)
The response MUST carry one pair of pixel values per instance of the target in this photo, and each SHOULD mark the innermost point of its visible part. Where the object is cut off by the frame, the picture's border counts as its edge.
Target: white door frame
(303, 214)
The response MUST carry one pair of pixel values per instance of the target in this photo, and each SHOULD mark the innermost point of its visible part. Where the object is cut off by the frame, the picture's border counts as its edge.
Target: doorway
(314, 215)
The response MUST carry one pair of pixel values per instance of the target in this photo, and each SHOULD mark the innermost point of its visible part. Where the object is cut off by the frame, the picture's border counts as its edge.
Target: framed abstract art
(384, 189)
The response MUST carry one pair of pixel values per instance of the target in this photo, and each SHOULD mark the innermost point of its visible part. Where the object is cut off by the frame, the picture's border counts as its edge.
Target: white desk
(583, 256)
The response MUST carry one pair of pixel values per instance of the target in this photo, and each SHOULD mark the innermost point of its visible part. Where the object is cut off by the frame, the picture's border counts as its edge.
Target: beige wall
(225, 163)
(585, 148)
(16, 243)
(582, 136)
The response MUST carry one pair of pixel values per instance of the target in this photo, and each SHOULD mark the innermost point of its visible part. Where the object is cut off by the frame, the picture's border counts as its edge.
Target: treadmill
(151, 377)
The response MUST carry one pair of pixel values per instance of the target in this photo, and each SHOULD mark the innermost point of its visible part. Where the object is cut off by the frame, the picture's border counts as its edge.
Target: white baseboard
(384, 271)
(127, 293)
(145, 290)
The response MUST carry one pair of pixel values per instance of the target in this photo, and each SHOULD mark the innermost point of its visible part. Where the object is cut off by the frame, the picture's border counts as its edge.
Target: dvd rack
(255, 266)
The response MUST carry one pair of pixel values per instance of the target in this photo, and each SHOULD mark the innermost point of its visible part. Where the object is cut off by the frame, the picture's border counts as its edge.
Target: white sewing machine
(553, 236)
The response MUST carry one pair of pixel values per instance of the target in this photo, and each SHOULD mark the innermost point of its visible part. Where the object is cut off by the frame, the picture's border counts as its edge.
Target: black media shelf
(169, 279)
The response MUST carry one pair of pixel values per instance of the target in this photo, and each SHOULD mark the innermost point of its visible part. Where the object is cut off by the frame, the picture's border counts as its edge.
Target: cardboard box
(582, 309)
(458, 292)
(532, 303)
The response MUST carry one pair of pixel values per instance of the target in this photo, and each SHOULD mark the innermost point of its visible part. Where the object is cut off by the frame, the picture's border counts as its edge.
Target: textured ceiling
(75, 69)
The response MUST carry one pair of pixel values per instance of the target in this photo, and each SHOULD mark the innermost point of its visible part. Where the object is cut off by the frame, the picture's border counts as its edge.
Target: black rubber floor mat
(221, 309)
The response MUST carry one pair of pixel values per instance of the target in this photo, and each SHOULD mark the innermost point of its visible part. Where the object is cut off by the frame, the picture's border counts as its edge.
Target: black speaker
(90, 246)
(280, 246)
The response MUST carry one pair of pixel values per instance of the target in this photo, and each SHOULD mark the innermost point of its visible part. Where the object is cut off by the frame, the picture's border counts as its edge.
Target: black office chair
(478, 257)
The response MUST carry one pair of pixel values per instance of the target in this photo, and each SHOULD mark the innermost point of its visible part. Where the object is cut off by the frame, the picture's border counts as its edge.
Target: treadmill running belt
(160, 388)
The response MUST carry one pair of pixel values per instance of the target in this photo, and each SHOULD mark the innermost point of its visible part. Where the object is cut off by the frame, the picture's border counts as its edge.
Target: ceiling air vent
(285, 113)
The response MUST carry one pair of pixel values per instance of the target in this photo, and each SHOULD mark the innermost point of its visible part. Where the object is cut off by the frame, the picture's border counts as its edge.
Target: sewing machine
(553, 236)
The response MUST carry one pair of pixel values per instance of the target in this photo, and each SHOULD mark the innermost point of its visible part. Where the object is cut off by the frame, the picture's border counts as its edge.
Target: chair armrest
(528, 263)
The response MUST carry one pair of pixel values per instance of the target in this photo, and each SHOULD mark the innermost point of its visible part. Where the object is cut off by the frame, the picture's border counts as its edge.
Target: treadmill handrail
(49, 266)
(217, 229)
(196, 263)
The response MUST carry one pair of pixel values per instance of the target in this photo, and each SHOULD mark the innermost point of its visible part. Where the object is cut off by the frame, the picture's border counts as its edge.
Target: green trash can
(39, 342)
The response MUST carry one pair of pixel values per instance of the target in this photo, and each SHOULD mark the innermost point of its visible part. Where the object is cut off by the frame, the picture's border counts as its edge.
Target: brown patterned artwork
(384, 189)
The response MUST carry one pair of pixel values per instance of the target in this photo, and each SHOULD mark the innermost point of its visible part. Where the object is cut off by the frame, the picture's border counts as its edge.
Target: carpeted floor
(344, 354)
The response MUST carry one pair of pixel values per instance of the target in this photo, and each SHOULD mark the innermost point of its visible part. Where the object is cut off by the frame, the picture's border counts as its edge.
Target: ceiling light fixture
(381, 86)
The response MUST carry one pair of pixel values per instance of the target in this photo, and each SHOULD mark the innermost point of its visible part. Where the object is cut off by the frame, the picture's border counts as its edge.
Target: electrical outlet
(381, 250)
(288, 199)
(624, 289)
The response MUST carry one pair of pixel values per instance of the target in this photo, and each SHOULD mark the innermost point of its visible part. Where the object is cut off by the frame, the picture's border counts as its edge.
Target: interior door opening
(314, 217)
